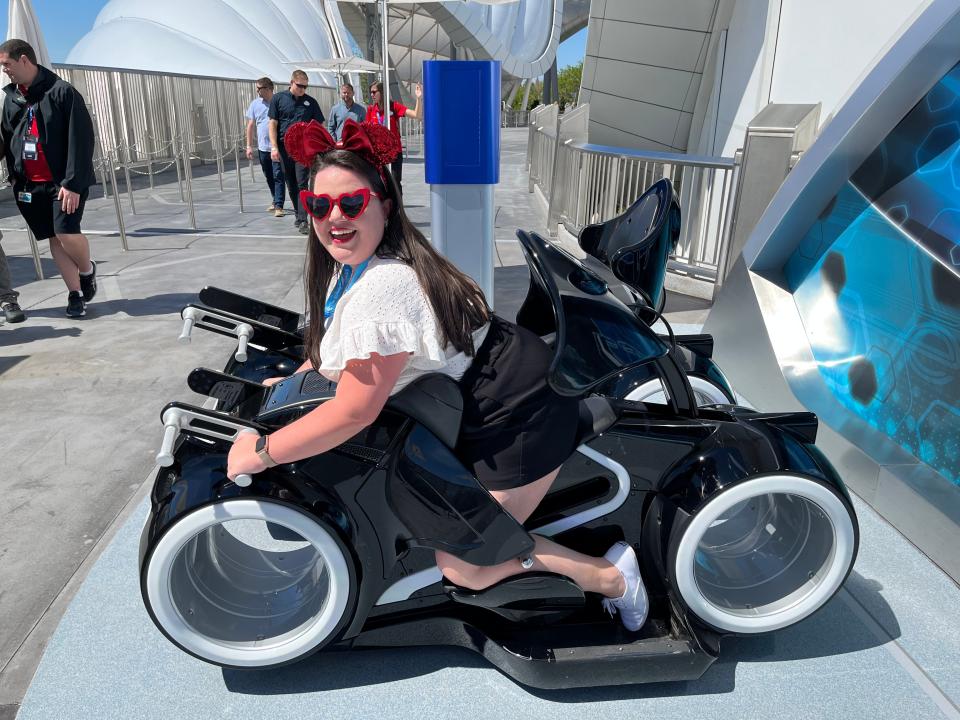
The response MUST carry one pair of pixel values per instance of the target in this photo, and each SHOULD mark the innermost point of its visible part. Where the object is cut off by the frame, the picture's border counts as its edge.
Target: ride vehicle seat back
(636, 244)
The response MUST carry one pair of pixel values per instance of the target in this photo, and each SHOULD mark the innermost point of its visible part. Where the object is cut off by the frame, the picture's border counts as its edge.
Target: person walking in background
(344, 110)
(258, 140)
(8, 296)
(48, 139)
(397, 111)
(287, 108)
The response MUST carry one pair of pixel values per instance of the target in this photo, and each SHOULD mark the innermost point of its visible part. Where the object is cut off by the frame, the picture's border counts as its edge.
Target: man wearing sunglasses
(286, 108)
(258, 120)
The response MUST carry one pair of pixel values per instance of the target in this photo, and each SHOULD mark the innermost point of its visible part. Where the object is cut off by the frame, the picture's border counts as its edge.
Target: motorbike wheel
(706, 393)
(247, 583)
(764, 553)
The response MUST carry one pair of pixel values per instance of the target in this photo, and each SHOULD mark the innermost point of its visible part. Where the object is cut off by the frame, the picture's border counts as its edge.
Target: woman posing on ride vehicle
(394, 309)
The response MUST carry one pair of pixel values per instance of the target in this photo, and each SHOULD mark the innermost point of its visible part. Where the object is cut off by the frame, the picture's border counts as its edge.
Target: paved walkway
(80, 419)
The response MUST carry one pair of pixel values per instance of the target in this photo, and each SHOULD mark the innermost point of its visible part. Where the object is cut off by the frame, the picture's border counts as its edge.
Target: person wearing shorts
(48, 136)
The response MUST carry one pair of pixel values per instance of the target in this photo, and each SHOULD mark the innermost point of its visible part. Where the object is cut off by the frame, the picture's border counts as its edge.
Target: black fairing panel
(637, 244)
(435, 401)
(444, 507)
(597, 336)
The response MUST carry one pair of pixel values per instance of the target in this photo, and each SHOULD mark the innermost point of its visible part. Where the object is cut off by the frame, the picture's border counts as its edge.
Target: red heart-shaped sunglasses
(352, 204)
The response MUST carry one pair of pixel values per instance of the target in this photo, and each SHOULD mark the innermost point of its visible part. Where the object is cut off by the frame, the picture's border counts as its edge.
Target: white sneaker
(633, 604)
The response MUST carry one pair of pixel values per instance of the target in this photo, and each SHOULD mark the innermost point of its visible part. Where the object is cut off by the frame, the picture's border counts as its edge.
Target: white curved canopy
(222, 38)
(249, 38)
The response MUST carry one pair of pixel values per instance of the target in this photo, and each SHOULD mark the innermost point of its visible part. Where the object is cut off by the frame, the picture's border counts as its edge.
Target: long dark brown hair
(457, 301)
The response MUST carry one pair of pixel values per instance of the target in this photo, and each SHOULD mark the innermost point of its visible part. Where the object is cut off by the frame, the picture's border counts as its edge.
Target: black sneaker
(88, 283)
(303, 228)
(12, 312)
(75, 306)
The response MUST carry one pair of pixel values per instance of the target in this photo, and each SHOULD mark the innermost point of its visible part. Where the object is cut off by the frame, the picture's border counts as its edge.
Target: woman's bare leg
(593, 574)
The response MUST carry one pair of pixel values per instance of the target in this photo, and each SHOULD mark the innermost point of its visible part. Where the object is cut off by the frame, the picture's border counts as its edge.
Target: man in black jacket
(286, 108)
(48, 136)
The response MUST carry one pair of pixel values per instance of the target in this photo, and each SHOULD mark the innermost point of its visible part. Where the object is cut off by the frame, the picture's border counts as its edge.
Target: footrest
(252, 309)
(533, 597)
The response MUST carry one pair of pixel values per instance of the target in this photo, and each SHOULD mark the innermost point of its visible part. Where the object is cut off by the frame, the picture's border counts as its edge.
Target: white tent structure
(242, 39)
(22, 24)
(251, 38)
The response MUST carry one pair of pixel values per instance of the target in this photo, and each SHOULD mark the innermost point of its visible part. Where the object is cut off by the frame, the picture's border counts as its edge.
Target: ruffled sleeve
(384, 312)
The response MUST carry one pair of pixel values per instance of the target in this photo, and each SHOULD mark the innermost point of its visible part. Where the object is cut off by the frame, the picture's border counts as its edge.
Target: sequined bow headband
(371, 141)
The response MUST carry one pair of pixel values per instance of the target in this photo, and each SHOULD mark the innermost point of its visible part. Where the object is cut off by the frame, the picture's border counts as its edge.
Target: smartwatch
(261, 448)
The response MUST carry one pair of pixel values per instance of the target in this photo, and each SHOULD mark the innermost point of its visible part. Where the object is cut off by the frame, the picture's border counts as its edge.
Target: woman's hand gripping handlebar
(204, 423)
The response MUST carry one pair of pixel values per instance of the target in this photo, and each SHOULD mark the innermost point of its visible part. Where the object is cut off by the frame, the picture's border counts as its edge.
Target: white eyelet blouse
(387, 312)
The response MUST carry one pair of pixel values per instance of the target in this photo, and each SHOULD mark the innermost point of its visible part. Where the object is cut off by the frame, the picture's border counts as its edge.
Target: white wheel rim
(262, 652)
(799, 603)
(652, 391)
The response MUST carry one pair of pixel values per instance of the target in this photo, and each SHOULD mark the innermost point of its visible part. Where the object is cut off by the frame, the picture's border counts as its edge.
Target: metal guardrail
(586, 184)
(511, 118)
(147, 122)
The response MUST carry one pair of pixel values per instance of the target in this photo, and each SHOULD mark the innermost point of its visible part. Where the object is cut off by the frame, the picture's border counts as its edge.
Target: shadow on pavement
(24, 332)
(135, 307)
(23, 271)
(833, 630)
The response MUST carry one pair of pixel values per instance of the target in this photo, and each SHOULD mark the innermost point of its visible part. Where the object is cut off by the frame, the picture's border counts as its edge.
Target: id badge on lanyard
(30, 141)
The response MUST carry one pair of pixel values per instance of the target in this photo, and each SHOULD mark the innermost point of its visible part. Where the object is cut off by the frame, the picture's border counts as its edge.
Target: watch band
(263, 453)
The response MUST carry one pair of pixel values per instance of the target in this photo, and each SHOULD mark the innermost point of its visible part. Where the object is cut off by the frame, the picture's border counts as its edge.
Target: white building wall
(689, 76)
(825, 47)
(642, 70)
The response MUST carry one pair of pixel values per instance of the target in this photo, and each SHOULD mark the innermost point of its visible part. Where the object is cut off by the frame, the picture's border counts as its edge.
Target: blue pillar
(462, 156)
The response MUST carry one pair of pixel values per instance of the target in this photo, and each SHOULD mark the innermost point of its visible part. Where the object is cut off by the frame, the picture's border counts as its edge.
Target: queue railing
(585, 183)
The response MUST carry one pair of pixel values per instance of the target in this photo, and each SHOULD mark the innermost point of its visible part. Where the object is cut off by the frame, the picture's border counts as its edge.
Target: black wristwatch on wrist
(261, 448)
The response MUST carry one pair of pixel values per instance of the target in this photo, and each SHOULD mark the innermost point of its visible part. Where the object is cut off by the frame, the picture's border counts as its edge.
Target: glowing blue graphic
(877, 282)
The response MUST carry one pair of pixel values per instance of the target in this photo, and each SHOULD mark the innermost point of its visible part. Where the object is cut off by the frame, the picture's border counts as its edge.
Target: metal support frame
(116, 204)
(188, 176)
(236, 160)
(35, 251)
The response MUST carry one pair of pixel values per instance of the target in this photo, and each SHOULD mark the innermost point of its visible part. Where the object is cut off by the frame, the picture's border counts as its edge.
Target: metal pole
(126, 173)
(116, 202)
(172, 120)
(551, 201)
(151, 130)
(236, 159)
(385, 89)
(35, 249)
(188, 176)
(221, 136)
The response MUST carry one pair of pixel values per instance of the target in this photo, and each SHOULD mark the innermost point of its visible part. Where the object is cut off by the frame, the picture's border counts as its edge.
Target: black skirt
(515, 429)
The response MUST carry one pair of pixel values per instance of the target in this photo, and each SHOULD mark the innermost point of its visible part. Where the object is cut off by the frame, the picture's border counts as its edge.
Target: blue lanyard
(348, 276)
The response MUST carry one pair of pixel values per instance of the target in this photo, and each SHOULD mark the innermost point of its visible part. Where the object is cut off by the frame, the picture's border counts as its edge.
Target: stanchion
(126, 173)
(150, 172)
(35, 249)
(188, 176)
(176, 164)
(116, 202)
(236, 159)
(219, 151)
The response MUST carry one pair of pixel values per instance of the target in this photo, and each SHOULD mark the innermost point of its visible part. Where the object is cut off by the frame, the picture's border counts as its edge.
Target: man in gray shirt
(343, 110)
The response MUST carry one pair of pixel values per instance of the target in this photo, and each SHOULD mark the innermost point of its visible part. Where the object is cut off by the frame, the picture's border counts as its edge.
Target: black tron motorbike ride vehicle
(629, 253)
(741, 525)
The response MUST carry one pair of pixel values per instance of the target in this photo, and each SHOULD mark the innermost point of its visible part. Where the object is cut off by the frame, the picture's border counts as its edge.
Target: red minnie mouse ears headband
(374, 143)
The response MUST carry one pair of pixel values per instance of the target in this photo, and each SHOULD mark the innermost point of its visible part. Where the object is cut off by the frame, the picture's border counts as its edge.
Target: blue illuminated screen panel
(876, 280)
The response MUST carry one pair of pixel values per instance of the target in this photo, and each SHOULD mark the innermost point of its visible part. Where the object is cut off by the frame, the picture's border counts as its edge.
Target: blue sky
(64, 22)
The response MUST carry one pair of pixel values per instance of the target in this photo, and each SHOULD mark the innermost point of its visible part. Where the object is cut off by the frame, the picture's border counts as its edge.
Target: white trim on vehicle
(815, 593)
(404, 588)
(269, 651)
